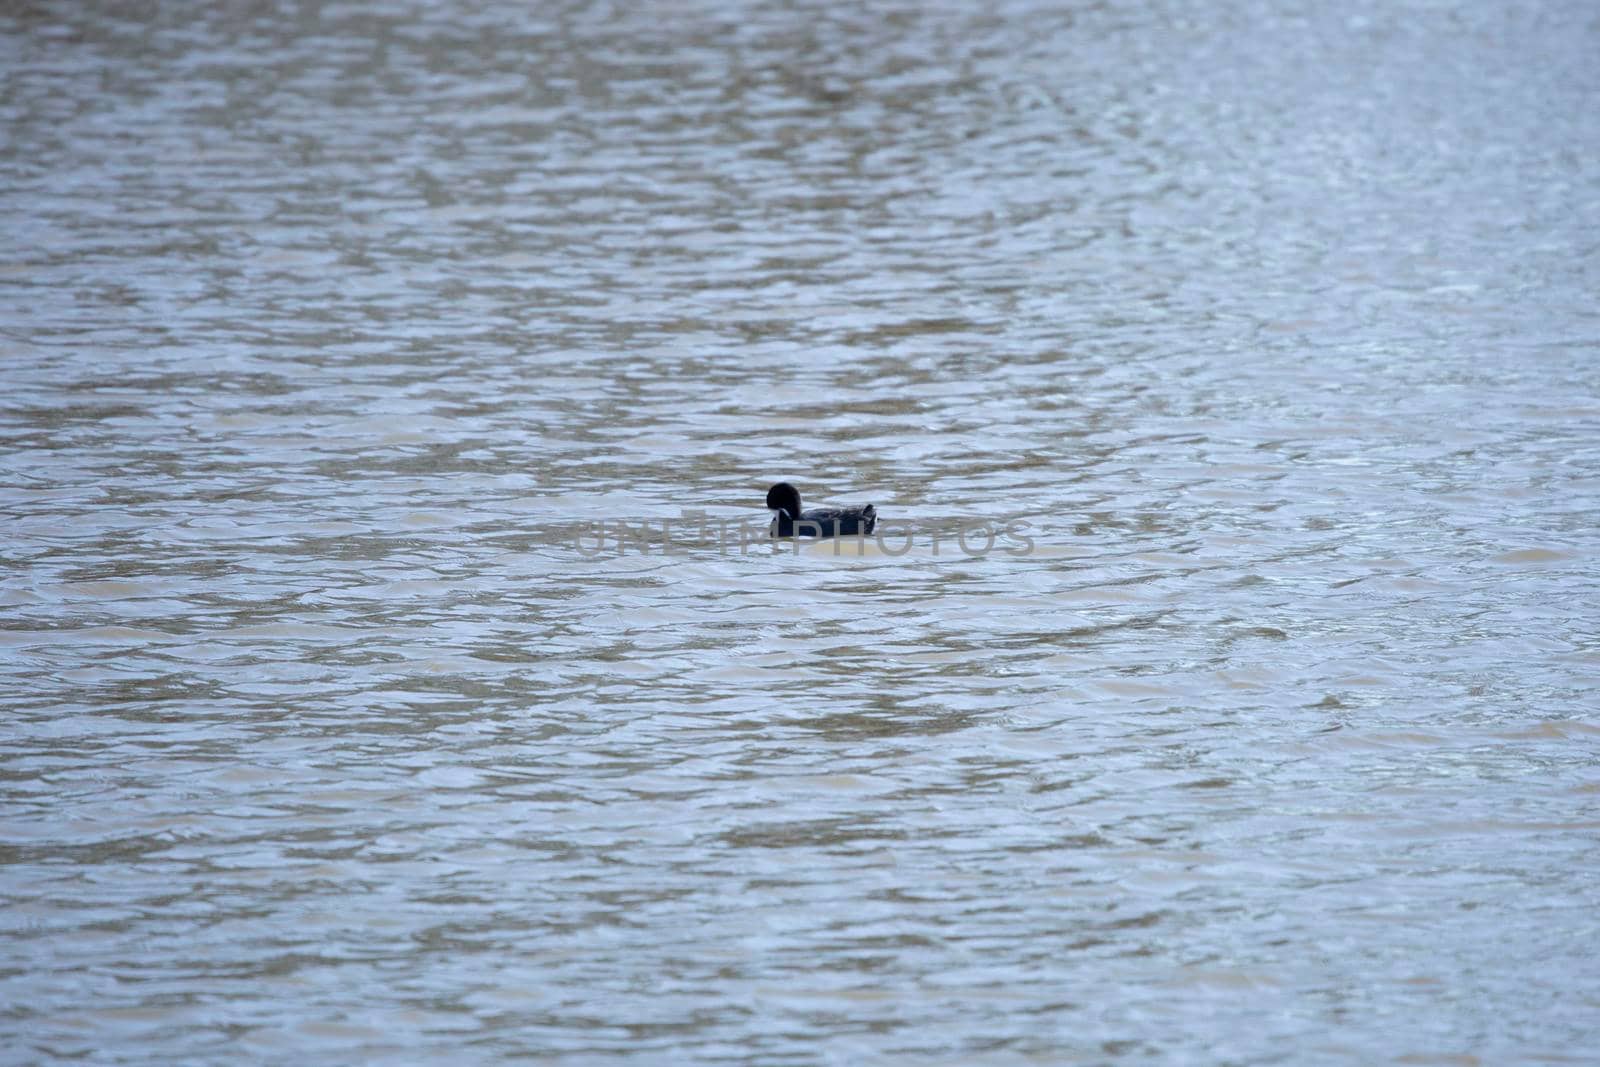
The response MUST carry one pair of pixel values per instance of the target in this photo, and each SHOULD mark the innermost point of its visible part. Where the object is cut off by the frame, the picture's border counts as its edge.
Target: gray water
(328, 331)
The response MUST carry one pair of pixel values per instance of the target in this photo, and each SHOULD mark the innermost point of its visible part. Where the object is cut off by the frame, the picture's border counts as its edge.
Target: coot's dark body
(828, 522)
(789, 521)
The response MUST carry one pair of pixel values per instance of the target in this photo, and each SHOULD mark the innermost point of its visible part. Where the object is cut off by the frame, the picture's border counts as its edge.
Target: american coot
(789, 521)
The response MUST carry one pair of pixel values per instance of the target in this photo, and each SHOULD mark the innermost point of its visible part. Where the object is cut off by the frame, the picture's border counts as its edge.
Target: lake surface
(336, 337)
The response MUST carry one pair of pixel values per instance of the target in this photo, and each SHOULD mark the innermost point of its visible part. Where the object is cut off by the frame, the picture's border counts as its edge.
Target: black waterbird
(789, 521)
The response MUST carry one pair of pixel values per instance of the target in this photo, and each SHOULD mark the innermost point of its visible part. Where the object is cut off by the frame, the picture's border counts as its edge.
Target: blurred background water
(325, 326)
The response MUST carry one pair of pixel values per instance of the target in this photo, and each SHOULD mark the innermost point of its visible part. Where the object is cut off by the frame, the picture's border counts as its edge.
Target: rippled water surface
(329, 333)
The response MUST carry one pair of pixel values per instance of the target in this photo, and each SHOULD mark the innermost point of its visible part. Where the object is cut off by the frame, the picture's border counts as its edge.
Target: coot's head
(784, 497)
